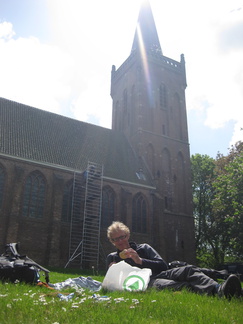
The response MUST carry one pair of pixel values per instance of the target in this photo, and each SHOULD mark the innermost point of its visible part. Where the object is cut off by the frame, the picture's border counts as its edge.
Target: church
(63, 181)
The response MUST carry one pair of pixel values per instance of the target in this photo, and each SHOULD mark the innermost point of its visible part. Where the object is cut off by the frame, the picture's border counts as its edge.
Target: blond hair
(115, 227)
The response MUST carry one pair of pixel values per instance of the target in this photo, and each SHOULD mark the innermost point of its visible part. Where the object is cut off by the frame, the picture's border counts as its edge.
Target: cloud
(231, 38)
(6, 30)
(33, 73)
(218, 75)
(93, 103)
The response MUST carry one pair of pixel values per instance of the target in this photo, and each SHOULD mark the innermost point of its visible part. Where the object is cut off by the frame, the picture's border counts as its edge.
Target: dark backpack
(19, 268)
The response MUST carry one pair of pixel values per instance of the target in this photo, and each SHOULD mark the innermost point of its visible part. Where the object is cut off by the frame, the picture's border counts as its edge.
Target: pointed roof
(146, 31)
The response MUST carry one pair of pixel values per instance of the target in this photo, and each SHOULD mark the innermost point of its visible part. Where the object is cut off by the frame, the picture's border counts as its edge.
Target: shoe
(231, 287)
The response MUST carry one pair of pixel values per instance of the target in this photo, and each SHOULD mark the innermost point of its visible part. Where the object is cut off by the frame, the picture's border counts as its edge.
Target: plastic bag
(122, 276)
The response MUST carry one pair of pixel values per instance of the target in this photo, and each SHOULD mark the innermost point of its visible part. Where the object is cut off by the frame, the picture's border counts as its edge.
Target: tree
(218, 207)
(202, 177)
(228, 202)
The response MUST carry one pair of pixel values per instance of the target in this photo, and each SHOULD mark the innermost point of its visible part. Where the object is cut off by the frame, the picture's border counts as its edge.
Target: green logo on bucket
(133, 283)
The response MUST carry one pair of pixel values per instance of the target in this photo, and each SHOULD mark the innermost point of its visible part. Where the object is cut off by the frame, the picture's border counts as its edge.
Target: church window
(150, 158)
(108, 206)
(181, 187)
(67, 202)
(163, 130)
(163, 96)
(166, 202)
(139, 214)
(178, 116)
(133, 98)
(2, 181)
(34, 196)
(117, 116)
(166, 176)
(125, 100)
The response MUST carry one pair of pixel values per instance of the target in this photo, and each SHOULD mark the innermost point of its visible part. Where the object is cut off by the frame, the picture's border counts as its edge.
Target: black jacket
(150, 258)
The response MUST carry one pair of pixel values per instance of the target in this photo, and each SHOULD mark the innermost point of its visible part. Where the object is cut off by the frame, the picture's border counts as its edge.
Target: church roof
(36, 135)
(146, 36)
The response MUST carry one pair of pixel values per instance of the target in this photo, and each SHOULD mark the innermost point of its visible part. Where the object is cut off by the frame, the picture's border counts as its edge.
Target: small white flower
(135, 301)
(82, 300)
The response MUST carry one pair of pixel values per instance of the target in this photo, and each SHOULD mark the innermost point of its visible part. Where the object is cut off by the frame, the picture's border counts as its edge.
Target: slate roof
(37, 135)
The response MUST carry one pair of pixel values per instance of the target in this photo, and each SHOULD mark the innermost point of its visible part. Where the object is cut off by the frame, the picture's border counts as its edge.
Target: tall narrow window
(108, 206)
(67, 202)
(132, 110)
(163, 130)
(162, 96)
(177, 116)
(125, 100)
(167, 181)
(34, 196)
(124, 112)
(139, 214)
(150, 158)
(117, 116)
(181, 187)
(2, 181)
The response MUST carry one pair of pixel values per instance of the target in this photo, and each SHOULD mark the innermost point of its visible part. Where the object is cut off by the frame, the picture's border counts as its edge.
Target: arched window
(150, 158)
(108, 206)
(177, 116)
(117, 120)
(132, 110)
(67, 202)
(125, 100)
(125, 111)
(181, 188)
(163, 96)
(133, 97)
(2, 181)
(34, 196)
(139, 214)
(167, 180)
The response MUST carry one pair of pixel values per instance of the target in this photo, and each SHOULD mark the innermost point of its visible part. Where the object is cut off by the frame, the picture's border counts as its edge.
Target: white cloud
(33, 73)
(6, 30)
(93, 103)
(217, 73)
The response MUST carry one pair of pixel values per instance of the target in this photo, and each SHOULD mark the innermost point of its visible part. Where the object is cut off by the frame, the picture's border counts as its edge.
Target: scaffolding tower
(84, 245)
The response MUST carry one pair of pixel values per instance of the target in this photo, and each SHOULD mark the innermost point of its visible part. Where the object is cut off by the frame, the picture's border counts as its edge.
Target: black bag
(19, 268)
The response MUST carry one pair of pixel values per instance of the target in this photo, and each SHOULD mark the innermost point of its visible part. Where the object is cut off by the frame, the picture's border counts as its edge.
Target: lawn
(28, 304)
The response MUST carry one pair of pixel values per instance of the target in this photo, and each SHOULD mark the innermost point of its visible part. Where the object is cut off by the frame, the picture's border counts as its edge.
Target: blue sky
(55, 53)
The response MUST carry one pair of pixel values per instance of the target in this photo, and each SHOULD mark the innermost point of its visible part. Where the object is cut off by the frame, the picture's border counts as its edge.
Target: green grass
(28, 304)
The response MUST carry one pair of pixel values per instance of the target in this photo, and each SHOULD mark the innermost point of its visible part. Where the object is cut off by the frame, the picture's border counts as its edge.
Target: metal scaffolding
(84, 245)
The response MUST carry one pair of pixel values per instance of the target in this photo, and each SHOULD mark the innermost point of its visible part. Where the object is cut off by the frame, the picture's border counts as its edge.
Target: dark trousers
(188, 276)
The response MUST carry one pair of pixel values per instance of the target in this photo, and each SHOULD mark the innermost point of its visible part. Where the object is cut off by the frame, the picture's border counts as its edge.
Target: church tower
(149, 107)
